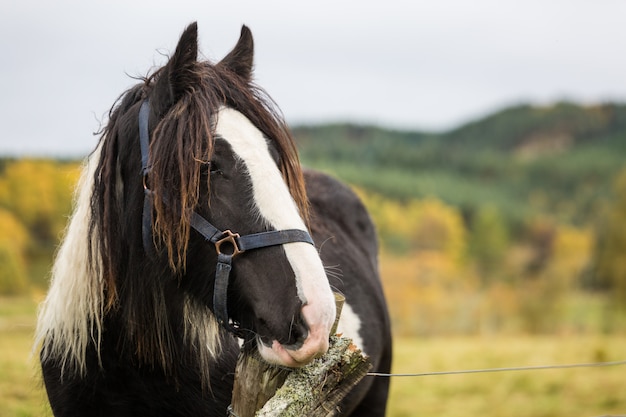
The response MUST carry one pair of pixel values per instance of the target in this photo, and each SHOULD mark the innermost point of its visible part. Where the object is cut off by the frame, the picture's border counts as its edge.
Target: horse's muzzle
(314, 345)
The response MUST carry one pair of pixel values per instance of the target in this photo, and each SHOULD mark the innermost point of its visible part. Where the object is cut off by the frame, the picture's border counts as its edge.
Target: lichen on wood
(314, 390)
(317, 389)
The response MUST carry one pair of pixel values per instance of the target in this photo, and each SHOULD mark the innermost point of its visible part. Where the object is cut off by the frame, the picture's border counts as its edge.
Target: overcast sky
(428, 65)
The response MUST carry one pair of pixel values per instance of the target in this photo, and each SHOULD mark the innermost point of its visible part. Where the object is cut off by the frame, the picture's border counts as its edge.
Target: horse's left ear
(240, 59)
(178, 75)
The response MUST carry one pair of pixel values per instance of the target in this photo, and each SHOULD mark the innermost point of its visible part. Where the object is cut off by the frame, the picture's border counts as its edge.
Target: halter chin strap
(227, 244)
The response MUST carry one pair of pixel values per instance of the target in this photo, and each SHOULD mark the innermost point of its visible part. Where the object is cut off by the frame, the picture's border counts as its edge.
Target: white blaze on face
(277, 207)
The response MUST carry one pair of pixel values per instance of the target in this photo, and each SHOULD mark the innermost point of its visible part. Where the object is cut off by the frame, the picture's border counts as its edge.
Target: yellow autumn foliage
(572, 252)
(39, 194)
(418, 225)
(14, 240)
(12, 231)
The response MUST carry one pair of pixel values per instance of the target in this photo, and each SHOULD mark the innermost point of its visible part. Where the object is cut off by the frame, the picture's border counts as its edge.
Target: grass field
(21, 392)
(581, 392)
(558, 392)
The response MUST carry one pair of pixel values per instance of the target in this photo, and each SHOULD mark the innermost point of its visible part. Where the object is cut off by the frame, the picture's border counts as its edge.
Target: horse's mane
(181, 141)
(92, 261)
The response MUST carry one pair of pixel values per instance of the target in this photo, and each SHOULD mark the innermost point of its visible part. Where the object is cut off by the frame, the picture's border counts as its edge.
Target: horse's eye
(209, 168)
(214, 169)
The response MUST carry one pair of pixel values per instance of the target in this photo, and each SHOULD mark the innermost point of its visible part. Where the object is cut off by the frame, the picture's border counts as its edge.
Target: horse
(195, 233)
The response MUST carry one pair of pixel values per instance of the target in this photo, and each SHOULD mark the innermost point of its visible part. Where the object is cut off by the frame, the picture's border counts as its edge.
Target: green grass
(559, 392)
(21, 392)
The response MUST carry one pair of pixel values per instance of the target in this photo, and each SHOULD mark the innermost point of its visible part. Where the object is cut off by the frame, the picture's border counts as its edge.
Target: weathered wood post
(264, 390)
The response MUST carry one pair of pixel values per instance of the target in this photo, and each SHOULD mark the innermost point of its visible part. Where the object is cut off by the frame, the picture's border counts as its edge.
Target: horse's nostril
(266, 341)
(298, 331)
(298, 334)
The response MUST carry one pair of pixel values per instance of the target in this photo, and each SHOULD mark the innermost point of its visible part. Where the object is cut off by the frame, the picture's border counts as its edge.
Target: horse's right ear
(178, 75)
(240, 59)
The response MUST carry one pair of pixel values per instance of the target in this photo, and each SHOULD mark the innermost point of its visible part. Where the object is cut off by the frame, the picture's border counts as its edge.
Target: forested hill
(542, 128)
(525, 160)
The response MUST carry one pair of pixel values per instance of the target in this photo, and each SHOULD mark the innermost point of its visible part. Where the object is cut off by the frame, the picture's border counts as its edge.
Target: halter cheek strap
(144, 142)
(227, 244)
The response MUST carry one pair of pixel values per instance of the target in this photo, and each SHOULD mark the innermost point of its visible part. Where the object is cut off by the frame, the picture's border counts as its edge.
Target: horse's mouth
(294, 355)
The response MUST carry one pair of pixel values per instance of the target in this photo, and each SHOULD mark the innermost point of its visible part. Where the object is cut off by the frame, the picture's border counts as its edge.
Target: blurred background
(487, 139)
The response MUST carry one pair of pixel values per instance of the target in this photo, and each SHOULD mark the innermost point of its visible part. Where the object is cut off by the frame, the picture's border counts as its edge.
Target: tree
(489, 241)
(436, 226)
(39, 194)
(610, 266)
(563, 254)
(418, 225)
(13, 244)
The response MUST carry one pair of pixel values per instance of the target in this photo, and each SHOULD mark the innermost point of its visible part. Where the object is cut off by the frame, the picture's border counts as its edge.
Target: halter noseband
(227, 244)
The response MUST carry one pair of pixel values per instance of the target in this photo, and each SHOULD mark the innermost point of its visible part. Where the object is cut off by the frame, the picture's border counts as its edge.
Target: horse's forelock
(183, 139)
(181, 142)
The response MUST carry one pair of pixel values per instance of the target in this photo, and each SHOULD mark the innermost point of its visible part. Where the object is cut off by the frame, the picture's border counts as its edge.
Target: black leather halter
(227, 244)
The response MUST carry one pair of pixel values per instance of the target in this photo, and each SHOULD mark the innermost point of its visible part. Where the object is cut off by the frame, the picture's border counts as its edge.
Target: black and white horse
(150, 297)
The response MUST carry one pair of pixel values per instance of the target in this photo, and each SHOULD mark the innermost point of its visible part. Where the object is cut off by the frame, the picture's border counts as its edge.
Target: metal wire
(492, 370)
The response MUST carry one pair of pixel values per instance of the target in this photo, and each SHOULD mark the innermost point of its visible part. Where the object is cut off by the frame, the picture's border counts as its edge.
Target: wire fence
(508, 369)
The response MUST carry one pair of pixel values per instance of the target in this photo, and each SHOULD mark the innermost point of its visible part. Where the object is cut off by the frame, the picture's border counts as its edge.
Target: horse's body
(347, 238)
(129, 325)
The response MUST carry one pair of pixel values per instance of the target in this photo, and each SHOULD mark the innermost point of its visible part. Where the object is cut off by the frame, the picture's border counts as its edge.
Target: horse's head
(216, 151)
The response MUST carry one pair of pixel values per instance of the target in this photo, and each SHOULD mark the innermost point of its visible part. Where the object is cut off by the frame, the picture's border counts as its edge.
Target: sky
(410, 65)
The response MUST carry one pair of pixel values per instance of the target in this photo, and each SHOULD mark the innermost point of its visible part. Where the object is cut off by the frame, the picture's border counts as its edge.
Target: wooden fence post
(314, 390)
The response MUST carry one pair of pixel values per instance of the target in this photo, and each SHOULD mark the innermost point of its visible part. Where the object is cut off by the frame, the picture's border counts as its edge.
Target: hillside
(511, 223)
(526, 160)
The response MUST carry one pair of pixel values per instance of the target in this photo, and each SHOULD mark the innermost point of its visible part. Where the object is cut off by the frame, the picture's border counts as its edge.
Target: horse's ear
(178, 74)
(240, 59)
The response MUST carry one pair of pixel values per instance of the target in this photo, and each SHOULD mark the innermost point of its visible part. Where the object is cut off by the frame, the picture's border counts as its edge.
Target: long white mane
(72, 315)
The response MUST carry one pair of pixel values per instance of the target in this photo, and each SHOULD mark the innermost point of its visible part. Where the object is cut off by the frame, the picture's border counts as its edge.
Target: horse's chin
(281, 355)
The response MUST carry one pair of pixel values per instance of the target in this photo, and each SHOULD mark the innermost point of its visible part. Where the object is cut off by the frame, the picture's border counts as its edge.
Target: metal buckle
(145, 180)
(229, 238)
